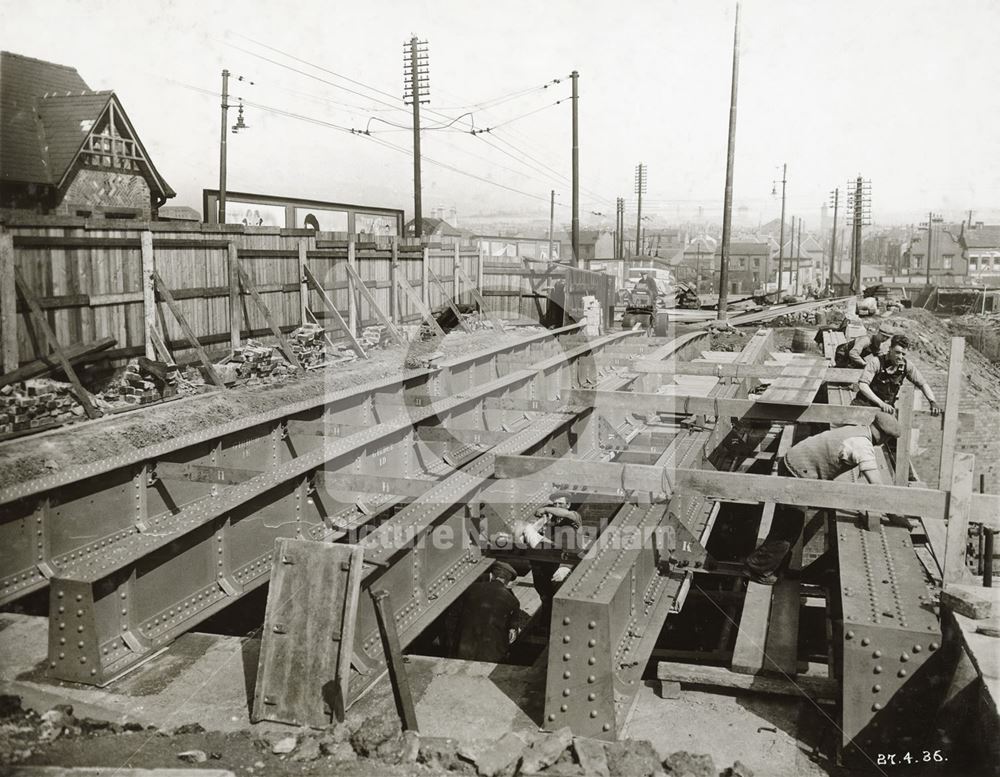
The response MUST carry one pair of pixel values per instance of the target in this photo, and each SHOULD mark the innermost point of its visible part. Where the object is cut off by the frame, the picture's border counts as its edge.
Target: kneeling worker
(823, 456)
(489, 610)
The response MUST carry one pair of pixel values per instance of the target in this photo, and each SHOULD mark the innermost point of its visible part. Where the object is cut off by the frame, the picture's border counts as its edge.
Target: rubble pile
(255, 362)
(373, 337)
(308, 345)
(142, 381)
(37, 402)
(514, 753)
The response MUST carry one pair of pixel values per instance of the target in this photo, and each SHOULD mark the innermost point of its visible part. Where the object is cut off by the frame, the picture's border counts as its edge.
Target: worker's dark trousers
(773, 553)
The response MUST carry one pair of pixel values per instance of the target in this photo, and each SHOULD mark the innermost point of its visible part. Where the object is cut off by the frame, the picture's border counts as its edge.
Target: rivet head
(565, 638)
(876, 688)
(592, 625)
(866, 641)
(591, 679)
(593, 713)
(877, 654)
(876, 706)
(552, 716)
(566, 675)
(849, 635)
(901, 673)
(566, 621)
(566, 656)
(591, 661)
(904, 657)
(591, 642)
(917, 648)
(933, 646)
(566, 691)
(606, 727)
(878, 670)
(83, 659)
(563, 708)
(591, 696)
(79, 597)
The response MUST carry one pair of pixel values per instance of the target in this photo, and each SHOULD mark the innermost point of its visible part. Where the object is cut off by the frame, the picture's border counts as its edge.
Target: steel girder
(58, 521)
(892, 675)
(213, 545)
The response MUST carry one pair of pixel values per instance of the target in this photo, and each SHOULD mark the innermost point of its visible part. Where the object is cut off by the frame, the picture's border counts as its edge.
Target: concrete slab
(200, 678)
(771, 735)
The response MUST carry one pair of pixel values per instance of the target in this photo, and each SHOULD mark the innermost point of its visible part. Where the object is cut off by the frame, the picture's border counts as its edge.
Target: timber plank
(813, 686)
(266, 312)
(164, 292)
(308, 635)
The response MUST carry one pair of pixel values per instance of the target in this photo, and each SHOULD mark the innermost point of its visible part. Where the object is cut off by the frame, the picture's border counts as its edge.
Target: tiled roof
(983, 237)
(752, 249)
(66, 121)
(23, 80)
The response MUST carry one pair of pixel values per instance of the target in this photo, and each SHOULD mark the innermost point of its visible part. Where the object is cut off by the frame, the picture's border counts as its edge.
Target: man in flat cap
(823, 456)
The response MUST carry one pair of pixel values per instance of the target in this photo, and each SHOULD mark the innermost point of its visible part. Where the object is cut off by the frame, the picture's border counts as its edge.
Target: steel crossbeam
(889, 642)
(54, 521)
(214, 545)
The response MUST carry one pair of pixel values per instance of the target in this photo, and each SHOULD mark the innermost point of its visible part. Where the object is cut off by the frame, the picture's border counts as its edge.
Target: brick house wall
(101, 191)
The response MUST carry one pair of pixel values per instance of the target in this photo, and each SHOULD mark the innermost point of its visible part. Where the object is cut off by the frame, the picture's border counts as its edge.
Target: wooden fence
(94, 280)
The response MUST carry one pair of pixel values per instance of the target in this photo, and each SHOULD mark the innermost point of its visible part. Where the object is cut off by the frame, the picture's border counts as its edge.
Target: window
(756, 263)
(918, 260)
(996, 263)
(973, 263)
(948, 261)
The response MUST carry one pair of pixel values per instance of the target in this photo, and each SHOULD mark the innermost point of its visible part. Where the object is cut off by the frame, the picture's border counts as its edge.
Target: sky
(905, 93)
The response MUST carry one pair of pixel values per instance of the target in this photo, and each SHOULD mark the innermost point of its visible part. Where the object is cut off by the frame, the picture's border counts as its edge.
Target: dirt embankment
(45, 454)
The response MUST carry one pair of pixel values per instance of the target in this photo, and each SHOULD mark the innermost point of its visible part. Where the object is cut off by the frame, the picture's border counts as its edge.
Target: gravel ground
(31, 457)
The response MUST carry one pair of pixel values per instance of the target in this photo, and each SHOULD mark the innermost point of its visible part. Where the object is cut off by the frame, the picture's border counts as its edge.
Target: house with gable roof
(68, 150)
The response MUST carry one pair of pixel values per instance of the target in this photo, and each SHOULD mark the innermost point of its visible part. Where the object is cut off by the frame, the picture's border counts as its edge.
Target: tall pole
(930, 226)
(552, 221)
(859, 209)
(727, 208)
(798, 258)
(415, 77)
(833, 237)
(575, 76)
(781, 238)
(222, 147)
(640, 185)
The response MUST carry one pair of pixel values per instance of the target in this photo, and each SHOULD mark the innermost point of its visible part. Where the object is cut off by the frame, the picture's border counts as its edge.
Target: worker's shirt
(862, 348)
(829, 454)
(885, 378)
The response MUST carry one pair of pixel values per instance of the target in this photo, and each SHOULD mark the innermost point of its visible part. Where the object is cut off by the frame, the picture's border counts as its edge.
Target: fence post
(8, 304)
(148, 292)
(480, 262)
(234, 296)
(303, 286)
(425, 278)
(393, 291)
(352, 298)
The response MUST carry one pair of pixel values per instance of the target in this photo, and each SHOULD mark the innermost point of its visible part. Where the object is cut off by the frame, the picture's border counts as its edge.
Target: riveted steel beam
(80, 512)
(215, 545)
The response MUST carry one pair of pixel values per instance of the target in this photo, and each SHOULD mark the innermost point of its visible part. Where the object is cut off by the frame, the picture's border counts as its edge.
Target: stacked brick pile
(308, 345)
(37, 402)
(373, 337)
(142, 382)
(255, 361)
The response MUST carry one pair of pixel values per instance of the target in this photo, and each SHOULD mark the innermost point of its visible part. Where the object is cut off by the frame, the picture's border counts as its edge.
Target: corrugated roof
(23, 80)
(67, 120)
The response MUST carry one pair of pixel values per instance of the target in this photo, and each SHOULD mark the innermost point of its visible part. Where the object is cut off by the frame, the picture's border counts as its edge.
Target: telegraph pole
(552, 221)
(798, 259)
(222, 147)
(858, 200)
(781, 237)
(575, 77)
(833, 237)
(727, 208)
(416, 78)
(640, 187)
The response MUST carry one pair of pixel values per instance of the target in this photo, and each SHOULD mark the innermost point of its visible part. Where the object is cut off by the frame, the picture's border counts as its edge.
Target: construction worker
(556, 526)
(489, 611)
(883, 375)
(823, 456)
(652, 288)
(853, 353)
